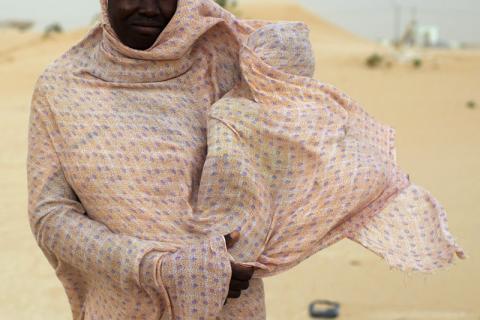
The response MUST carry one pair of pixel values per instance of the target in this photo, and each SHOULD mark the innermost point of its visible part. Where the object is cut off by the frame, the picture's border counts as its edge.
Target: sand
(438, 141)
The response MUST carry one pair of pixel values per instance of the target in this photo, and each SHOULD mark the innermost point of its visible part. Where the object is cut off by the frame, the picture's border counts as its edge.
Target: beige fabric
(125, 210)
(298, 165)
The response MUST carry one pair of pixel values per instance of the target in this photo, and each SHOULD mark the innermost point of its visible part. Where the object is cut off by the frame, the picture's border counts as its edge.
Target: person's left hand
(241, 275)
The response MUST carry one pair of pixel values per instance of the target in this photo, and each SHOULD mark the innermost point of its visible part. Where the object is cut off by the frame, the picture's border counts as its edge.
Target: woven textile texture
(140, 161)
(298, 165)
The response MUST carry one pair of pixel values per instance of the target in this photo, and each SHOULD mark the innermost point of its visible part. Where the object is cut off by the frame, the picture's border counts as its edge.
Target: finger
(238, 285)
(234, 294)
(232, 238)
(242, 273)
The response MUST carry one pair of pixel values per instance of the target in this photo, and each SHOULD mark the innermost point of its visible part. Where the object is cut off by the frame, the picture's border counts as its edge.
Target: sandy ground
(438, 140)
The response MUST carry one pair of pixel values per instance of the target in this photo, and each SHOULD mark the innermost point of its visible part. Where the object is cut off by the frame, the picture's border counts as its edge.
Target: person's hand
(241, 275)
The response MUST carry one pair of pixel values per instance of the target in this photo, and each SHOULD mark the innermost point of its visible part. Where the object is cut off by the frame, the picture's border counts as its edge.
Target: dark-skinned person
(177, 155)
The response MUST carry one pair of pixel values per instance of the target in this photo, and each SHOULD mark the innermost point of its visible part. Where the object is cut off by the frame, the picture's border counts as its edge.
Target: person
(117, 142)
(126, 188)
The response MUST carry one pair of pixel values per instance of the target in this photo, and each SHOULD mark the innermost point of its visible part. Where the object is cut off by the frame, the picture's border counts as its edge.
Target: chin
(141, 41)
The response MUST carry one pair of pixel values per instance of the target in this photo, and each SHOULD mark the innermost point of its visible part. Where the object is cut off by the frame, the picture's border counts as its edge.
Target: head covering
(133, 222)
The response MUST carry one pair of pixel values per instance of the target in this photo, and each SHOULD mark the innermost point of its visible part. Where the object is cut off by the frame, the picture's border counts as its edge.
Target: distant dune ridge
(438, 143)
(290, 10)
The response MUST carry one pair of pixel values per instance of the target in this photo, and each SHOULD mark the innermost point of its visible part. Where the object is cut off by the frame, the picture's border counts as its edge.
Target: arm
(195, 277)
(68, 236)
(59, 222)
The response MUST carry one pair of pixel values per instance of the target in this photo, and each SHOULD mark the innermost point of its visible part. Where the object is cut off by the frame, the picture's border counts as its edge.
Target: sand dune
(438, 144)
(289, 11)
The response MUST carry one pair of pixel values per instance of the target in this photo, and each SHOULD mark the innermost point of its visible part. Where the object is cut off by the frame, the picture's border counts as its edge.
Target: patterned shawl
(137, 169)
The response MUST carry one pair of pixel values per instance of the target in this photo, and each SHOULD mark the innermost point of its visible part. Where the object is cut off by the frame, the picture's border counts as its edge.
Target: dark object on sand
(324, 309)
(51, 29)
(374, 60)
(20, 25)
(471, 104)
(417, 63)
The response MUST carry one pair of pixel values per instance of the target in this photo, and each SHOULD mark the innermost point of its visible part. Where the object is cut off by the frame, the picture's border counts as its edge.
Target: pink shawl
(297, 165)
(130, 208)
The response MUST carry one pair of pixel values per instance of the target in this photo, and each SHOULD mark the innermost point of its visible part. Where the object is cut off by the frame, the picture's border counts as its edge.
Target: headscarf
(135, 230)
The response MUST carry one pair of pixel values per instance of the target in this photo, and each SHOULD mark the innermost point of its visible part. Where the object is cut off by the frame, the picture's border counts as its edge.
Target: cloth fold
(136, 169)
(298, 165)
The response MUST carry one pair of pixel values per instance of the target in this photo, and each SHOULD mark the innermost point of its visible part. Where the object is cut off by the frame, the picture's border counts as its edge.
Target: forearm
(67, 235)
(58, 219)
(197, 279)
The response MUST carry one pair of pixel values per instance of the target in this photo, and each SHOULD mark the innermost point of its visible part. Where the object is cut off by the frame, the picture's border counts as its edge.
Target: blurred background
(414, 64)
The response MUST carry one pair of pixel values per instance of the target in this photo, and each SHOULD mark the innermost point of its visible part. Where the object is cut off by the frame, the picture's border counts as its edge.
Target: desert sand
(438, 144)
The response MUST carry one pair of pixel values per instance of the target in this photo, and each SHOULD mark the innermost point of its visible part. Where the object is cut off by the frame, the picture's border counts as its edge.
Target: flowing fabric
(297, 165)
(137, 168)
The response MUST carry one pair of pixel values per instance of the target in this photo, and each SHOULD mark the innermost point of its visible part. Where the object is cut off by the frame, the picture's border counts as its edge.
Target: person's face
(138, 23)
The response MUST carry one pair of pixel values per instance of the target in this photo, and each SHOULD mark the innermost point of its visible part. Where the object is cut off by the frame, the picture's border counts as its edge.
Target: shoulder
(56, 74)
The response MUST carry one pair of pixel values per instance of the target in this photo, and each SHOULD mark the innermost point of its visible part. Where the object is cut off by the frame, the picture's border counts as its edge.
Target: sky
(70, 14)
(457, 20)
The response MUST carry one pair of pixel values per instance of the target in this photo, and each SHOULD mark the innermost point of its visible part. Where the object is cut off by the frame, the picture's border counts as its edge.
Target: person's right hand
(241, 275)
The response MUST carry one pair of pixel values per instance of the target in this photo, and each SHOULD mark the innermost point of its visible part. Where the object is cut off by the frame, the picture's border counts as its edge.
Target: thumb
(232, 238)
